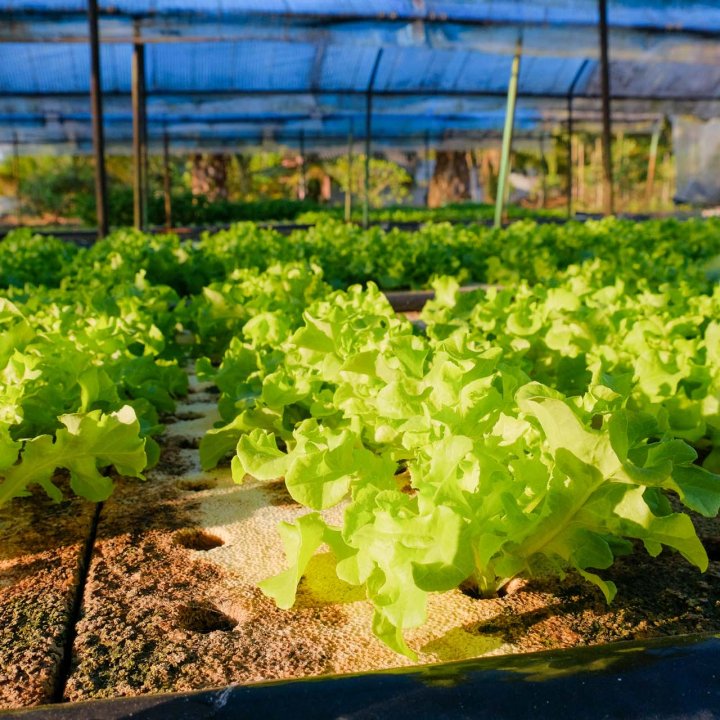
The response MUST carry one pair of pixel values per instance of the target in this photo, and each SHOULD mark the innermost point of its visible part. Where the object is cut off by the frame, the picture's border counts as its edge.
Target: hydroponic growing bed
(482, 484)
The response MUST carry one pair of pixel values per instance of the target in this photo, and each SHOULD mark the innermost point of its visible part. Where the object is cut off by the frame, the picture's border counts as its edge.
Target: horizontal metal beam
(652, 23)
(233, 139)
(428, 92)
(540, 38)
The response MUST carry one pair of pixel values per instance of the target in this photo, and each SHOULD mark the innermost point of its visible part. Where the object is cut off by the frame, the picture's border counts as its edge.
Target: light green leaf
(258, 455)
(300, 541)
(88, 442)
(698, 488)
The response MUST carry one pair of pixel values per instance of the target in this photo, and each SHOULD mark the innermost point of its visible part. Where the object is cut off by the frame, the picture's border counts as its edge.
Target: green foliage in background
(389, 183)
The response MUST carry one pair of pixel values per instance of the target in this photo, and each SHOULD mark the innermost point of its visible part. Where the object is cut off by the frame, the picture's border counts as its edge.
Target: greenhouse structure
(359, 359)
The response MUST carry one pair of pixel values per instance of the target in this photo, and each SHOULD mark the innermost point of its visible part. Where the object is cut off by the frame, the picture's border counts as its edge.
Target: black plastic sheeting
(667, 679)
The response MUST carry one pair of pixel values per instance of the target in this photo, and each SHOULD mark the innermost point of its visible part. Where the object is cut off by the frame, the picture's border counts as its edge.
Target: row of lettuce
(659, 251)
(527, 429)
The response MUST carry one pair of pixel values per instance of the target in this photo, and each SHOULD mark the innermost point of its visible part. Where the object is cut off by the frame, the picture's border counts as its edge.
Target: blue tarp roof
(251, 71)
(659, 14)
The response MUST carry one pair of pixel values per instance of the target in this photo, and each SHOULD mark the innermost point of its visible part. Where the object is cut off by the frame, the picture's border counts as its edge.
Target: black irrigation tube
(661, 679)
(88, 237)
(414, 300)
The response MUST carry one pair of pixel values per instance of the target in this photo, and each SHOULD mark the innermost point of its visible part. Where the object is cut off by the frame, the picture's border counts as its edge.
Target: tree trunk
(451, 179)
(489, 166)
(209, 175)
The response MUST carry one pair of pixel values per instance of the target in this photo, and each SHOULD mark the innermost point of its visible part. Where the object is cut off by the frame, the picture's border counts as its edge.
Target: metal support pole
(543, 173)
(348, 190)
(571, 92)
(652, 163)
(368, 134)
(569, 189)
(144, 153)
(608, 197)
(167, 195)
(139, 136)
(507, 136)
(366, 184)
(97, 121)
(16, 172)
(302, 188)
(427, 165)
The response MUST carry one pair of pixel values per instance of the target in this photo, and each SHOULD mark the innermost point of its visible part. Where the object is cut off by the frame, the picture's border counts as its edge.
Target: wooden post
(608, 194)
(167, 190)
(139, 135)
(507, 136)
(348, 190)
(96, 110)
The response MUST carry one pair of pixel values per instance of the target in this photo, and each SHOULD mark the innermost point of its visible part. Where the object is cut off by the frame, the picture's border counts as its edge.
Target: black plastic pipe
(414, 300)
(87, 237)
(668, 679)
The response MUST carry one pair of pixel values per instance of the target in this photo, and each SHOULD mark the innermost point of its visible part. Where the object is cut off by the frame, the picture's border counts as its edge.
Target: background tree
(450, 182)
(389, 183)
(209, 175)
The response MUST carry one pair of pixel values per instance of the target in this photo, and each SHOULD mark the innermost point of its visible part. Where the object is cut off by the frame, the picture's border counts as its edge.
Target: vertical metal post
(569, 189)
(543, 172)
(139, 135)
(366, 184)
(348, 190)
(96, 110)
(167, 195)
(571, 92)
(608, 196)
(368, 135)
(427, 164)
(16, 172)
(144, 153)
(507, 136)
(652, 162)
(302, 188)
(580, 152)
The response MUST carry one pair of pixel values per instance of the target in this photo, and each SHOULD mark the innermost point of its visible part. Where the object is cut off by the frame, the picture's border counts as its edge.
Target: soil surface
(172, 604)
(172, 600)
(41, 549)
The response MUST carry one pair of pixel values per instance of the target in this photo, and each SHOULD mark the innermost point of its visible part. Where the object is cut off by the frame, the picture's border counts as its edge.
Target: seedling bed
(170, 602)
